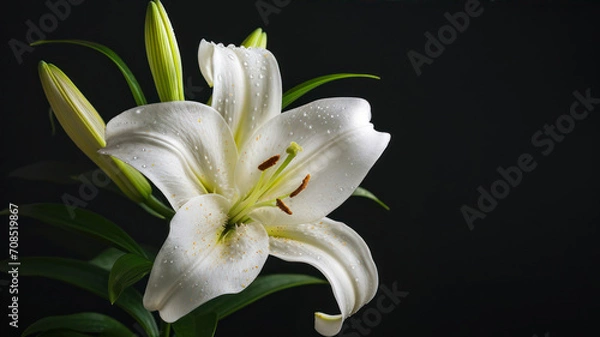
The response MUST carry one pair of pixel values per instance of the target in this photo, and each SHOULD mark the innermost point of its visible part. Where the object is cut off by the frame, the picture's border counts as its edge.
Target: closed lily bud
(86, 129)
(256, 39)
(163, 54)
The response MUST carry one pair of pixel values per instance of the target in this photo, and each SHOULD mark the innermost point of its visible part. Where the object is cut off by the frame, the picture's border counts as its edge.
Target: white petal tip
(328, 325)
(168, 317)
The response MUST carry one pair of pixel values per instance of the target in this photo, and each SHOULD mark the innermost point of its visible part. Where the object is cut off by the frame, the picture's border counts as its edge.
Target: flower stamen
(283, 206)
(254, 199)
(269, 163)
(301, 187)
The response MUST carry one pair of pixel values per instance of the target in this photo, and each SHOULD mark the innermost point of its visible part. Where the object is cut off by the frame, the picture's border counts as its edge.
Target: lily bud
(163, 54)
(86, 129)
(256, 39)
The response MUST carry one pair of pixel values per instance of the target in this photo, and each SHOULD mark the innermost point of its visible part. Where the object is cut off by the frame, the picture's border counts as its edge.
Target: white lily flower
(248, 181)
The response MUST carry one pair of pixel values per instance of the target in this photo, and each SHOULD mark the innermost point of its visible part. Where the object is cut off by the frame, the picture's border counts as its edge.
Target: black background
(528, 268)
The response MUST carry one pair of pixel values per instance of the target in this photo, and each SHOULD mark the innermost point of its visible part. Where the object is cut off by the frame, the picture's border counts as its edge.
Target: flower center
(254, 199)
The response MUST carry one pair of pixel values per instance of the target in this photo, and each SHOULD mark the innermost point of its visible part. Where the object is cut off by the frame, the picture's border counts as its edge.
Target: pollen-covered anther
(301, 187)
(283, 206)
(269, 163)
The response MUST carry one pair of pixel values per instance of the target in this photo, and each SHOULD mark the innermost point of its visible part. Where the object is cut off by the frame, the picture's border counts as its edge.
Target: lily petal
(339, 148)
(247, 85)
(340, 254)
(184, 148)
(195, 264)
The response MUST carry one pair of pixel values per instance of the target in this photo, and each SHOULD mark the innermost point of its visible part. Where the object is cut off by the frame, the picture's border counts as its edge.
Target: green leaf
(263, 285)
(83, 221)
(89, 277)
(132, 82)
(62, 333)
(196, 325)
(298, 91)
(361, 192)
(126, 271)
(87, 322)
(106, 260)
(49, 171)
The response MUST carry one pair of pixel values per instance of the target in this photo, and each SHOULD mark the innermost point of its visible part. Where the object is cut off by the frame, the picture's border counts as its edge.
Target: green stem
(165, 329)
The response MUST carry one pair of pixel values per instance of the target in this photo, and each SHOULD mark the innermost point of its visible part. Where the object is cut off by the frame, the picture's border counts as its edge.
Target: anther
(301, 187)
(269, 163)
(283, 206)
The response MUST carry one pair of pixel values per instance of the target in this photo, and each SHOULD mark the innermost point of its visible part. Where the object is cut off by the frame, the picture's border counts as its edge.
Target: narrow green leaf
(86, 322)
(89, 277)
(361, 192)
(298, 91)
(126, 271)
(106, 259)
(132, 82)
(196, 326)
(48, 171)
(263, 285)
(63, 333)
(83, 221)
